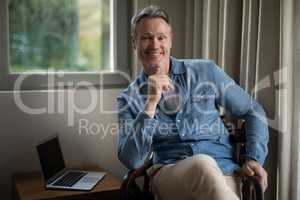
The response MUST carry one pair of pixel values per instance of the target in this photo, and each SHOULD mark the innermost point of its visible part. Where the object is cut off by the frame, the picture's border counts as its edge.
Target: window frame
(39, 80)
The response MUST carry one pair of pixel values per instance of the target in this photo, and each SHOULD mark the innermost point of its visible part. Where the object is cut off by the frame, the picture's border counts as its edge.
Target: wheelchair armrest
(251, 188)
(129, 187)
(135, 173)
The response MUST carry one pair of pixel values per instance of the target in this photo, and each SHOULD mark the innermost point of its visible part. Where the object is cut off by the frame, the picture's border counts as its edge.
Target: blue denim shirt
(197, 127)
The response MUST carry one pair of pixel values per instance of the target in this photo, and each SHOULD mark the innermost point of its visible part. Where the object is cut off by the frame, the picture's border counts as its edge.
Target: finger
(263, 183)
(167, 85)
(265, 186)
(248, 170)
(170, 80)
(261, 175)
(158, 83)
(163, 82)
(255, 167)
(259, 171)
(265, 180)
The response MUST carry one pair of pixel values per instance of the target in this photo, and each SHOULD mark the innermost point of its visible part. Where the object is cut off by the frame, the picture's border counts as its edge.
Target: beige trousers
(194, 178)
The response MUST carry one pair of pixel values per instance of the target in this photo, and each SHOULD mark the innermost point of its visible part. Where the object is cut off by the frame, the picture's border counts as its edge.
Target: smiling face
(153, 42)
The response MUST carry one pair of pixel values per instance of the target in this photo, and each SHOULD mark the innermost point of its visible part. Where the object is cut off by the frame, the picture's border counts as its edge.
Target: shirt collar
(176, 68)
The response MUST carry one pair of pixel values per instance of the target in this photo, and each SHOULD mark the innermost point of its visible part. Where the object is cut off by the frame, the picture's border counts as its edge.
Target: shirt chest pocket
(203, 102)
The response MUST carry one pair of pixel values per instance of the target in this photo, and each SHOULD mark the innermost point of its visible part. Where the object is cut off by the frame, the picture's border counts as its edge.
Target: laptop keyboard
(69, 179)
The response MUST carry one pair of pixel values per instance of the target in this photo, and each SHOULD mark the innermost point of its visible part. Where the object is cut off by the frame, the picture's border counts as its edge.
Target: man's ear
(171, 35)
(133, 42)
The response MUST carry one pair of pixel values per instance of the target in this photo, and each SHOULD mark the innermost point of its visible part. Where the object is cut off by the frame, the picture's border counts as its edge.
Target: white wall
(21, 131)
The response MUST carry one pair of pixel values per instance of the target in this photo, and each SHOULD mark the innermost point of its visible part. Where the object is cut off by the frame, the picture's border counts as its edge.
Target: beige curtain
(288, 170)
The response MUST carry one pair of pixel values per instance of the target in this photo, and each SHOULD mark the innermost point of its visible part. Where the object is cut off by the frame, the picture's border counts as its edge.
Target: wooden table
(31, 186)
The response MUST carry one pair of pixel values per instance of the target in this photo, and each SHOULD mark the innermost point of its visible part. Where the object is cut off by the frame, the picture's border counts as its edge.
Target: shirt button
(178, 120)
(183, 135)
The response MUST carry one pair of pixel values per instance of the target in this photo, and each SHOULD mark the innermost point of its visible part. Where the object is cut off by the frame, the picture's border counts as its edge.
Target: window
(68, 35)
(74, 41)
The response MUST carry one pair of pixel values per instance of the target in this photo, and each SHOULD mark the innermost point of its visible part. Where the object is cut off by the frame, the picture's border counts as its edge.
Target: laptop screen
(51, 157)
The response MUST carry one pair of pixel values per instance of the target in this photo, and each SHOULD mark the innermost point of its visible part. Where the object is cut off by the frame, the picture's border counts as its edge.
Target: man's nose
(154, 43)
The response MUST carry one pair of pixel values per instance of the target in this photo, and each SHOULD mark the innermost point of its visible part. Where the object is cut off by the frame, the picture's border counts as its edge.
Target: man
(172, 109)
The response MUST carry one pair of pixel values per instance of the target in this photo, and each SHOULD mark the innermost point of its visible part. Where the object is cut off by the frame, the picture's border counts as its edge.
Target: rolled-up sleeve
(135, 135)
(240, 104)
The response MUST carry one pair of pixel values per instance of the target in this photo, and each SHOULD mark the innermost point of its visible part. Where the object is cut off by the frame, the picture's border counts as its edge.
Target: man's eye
(161, 38)
(145, 38)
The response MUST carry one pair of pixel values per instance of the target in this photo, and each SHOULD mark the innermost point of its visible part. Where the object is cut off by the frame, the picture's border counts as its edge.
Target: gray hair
(148, 12)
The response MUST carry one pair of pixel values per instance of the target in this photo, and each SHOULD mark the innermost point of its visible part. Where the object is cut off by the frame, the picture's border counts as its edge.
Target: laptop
(56, 176)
